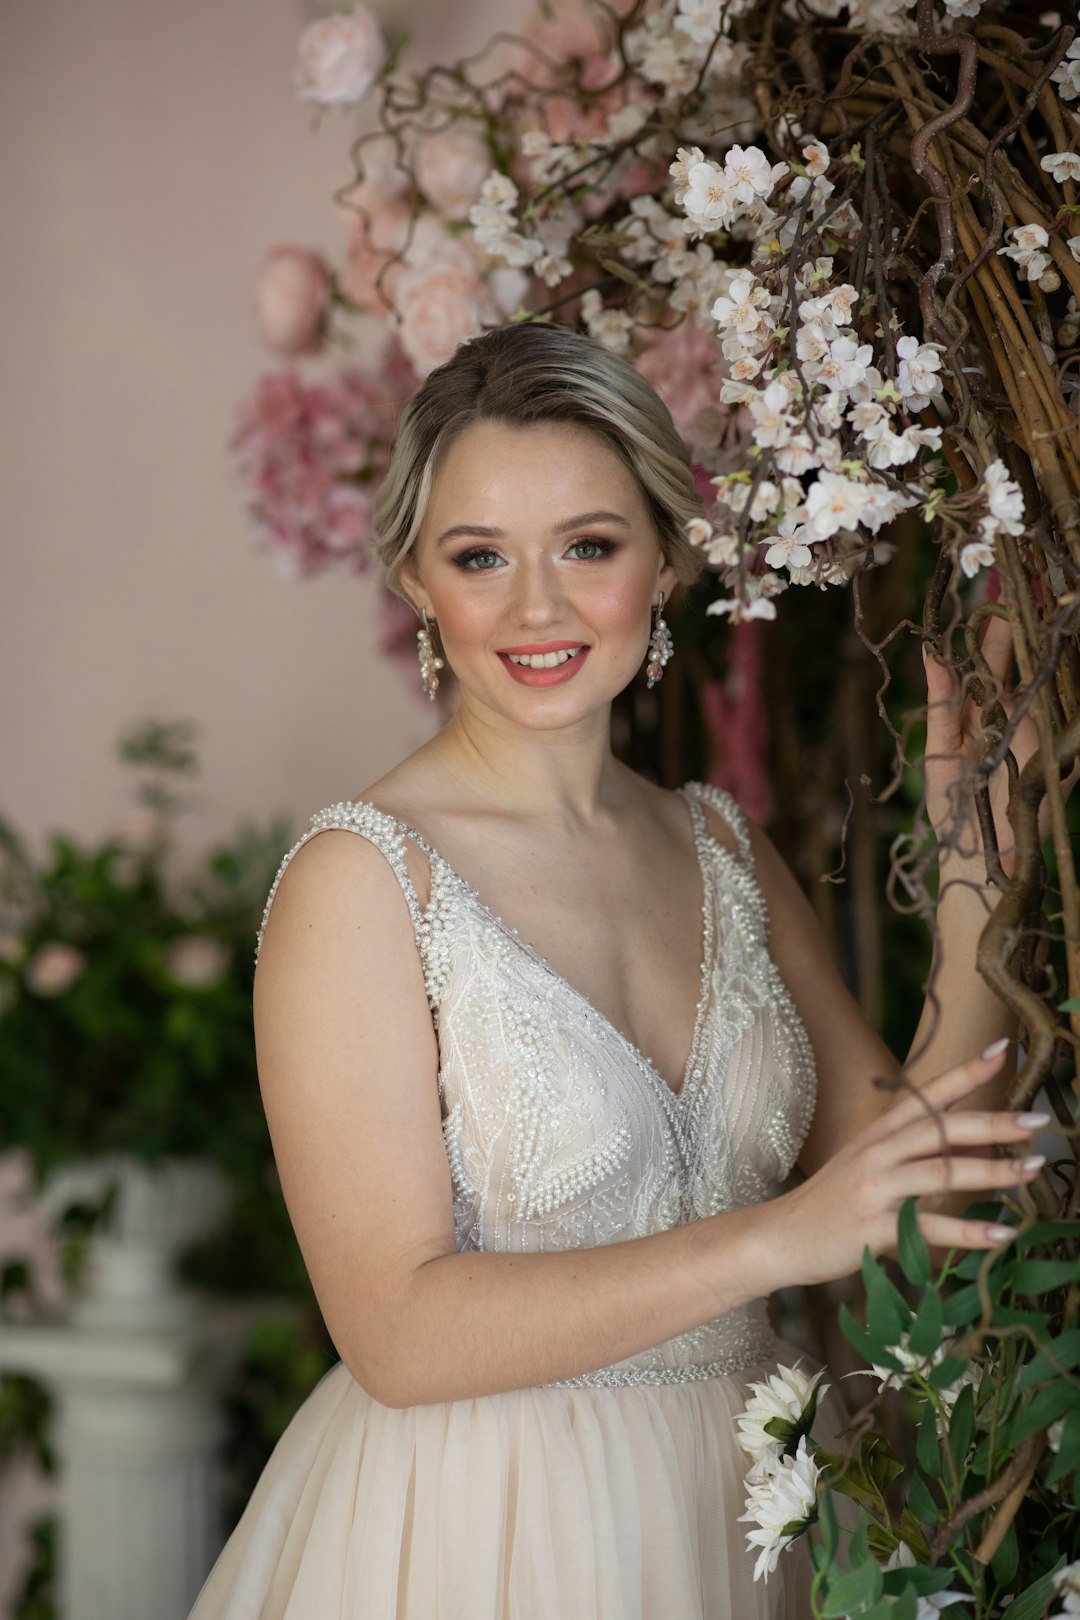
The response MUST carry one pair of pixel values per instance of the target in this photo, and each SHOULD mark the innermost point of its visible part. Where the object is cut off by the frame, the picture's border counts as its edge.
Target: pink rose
(196, 961)
(439, 306)
(338, 58)
(450, 169)
(53, 969)
(376, 234)
(291, 296)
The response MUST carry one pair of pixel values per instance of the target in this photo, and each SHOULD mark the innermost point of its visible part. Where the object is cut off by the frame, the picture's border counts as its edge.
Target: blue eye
(466, 557)
(605, 547)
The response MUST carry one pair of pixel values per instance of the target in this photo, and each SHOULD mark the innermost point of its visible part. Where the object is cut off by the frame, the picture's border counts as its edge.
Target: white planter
(130, 1278)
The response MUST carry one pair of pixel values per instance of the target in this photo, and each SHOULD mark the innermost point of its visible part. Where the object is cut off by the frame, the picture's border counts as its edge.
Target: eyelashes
(464, 560)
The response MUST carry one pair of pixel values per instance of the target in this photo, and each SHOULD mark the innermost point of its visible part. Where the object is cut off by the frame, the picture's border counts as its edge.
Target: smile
(544, 669)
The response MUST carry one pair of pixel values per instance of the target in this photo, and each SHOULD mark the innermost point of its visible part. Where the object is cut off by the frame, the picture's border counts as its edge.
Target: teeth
(544, 660)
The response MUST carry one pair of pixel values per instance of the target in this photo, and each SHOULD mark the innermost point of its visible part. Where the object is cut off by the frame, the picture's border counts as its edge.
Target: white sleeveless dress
(609, 1496)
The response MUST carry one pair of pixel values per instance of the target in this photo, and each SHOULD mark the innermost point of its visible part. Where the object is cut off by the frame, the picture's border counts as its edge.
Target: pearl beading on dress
(559, 1132)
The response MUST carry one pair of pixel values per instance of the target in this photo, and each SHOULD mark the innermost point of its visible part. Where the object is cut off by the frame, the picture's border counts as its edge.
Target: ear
(666, 578)
(409, 580)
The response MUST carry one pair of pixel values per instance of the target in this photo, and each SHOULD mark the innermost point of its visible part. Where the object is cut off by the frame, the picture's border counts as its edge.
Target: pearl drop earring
(661, 645)
(430, 663)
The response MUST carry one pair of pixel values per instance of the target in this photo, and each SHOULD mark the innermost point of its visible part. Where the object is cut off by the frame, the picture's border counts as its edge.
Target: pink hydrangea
(683, 366)
(312, 456)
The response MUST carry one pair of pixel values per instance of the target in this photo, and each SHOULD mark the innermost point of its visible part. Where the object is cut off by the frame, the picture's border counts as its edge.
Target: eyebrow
(482, 532)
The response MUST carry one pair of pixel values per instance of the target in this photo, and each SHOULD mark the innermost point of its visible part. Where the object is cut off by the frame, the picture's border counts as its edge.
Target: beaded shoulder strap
(728, 808)
(379, 828)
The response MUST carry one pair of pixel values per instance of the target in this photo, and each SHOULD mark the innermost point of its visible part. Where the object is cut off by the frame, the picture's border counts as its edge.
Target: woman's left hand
(955, 741)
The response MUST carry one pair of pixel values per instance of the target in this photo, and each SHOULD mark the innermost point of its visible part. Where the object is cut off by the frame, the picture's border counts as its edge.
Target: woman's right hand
(818, 1231)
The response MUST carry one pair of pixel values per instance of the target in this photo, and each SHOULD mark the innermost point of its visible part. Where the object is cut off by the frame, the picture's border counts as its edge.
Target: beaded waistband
(761, 1347)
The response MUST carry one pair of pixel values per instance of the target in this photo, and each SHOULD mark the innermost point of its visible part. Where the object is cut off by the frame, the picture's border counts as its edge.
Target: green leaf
(924, 1335)
(946, 1372)
(1006, 1560)
(961, 1308)
(962, 1425)
(887, 1312)
(915, 1537)
(880, 1466)
(922, 1502)
(1054, 1401)
(1070, 1006)
(851, 1589)
(864, 1343)
(1065, 1350)
(828, 1522)
(1031, 1604)
(1038, 1276)
(912, 1249)
(928, 1445)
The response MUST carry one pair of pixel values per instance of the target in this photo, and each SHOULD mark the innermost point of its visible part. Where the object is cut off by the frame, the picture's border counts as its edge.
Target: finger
(931, 1096)
(996, 648)
(950, 1232)
(969, 1129)
(924, 1176)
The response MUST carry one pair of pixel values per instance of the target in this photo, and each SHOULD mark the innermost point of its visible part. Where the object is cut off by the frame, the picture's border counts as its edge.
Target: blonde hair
(521, 375)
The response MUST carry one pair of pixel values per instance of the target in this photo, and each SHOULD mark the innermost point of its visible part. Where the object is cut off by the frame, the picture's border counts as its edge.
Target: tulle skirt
(536, 1504)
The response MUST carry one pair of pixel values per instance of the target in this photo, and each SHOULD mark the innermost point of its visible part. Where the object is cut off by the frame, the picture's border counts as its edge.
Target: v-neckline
(692, 1069)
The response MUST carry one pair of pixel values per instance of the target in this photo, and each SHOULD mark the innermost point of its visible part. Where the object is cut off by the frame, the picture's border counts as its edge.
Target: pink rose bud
(53, 969)
(338, 58)
(291, 296)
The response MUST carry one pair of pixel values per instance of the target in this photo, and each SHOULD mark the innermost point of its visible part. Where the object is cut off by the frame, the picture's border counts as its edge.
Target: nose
(538, 596)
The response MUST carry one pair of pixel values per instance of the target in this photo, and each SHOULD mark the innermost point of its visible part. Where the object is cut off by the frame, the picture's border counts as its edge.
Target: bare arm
(348, 1066)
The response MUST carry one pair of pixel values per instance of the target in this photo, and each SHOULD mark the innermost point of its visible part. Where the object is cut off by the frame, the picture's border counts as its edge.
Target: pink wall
(149, 155)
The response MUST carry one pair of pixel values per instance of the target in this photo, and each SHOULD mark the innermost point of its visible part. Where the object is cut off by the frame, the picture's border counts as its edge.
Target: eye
(603, 547)
(465, 559)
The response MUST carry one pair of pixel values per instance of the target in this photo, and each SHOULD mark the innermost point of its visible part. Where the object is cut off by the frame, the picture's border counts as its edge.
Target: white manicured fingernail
(999, 1234)
(995, 1048)
(1032, 1122)
(1035, 1162)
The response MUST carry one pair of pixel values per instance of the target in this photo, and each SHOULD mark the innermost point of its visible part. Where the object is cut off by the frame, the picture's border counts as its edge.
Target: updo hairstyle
(521, 375)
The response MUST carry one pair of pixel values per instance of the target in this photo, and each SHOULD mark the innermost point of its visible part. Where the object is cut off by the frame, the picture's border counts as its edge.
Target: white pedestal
(137, 1437)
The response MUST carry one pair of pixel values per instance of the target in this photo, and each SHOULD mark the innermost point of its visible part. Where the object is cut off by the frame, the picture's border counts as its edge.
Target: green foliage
(986, 1353)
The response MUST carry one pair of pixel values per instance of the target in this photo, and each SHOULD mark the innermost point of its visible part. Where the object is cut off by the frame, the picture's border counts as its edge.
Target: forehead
(492, 464)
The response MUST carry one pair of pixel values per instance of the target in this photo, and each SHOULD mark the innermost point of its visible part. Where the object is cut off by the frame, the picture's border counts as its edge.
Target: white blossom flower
(817, 157)
(611, 327)
(787, 550)
(338, 58)
(833, 502)
(917, 376)
(710, 197)
(798, 454)
(750, 173)
(698, 531)
(772, 421)
(1026, 244)
(699, 20)
(1067, 1587)
(1073, 245)
(686, 158)
(845, 365)
(1062, 165)
(1067, 73)
(786, 1498)
(742, 309)
(1005, 499)
(975, 555)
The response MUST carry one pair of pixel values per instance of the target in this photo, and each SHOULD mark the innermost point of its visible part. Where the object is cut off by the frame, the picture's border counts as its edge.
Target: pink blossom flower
(196, 961)
(54, 968)
(338, 58)
(311, 456)
(291, 297)
(682, 366)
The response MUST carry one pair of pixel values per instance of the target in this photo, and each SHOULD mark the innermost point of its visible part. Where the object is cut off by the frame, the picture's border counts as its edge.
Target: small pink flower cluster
(312, 456)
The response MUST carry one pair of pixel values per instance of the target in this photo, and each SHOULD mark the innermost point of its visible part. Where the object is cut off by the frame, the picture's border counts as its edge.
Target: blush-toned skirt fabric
(536, 1504)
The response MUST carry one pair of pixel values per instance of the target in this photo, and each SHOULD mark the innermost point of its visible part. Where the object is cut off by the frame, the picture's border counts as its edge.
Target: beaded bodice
(559, 1132)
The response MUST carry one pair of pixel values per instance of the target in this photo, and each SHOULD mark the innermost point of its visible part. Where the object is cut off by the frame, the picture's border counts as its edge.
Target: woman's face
(537, 539)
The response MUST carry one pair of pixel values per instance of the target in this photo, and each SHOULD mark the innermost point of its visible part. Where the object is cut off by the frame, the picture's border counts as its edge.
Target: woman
(532, 1123)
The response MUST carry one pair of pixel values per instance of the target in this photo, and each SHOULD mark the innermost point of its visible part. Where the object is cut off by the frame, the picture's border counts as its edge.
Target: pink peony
(291, 300)
(450, 169)
(54, 968)
(197, 961)
(338, 58)
(439, 308)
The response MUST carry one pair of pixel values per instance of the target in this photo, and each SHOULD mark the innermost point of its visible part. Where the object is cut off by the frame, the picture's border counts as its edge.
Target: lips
(526, 676)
